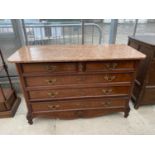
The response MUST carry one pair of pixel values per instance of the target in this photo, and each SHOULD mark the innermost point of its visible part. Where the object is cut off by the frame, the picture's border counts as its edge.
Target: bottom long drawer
(82, 113)
(79, 104)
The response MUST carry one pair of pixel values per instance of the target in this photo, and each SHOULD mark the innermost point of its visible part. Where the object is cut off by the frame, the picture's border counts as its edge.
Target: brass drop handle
(51, 81)
(111, 65)
(109, 78)
(106, 91)
(52, 94)
(107, 103)
(51, 68)
(53, 107)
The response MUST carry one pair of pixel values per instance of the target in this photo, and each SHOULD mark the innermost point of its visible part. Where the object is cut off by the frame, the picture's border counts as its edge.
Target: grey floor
(141, 121)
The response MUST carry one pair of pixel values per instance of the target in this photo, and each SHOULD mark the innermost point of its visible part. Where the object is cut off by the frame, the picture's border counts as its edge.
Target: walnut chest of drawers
(71, 81)
(144, 87)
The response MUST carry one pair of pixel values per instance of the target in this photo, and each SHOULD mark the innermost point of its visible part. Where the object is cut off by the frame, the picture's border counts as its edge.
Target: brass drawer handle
(109, 78)
(52, 94)
(51, 81)
(107, 103)
(106, 91)
(111, 65)
(53, 107)
(51, 68)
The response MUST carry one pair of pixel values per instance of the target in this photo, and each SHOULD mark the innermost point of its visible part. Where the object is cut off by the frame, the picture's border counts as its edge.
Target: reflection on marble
(59, 53)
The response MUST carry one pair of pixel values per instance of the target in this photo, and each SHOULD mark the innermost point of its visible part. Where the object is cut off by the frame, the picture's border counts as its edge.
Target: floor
(141, 121)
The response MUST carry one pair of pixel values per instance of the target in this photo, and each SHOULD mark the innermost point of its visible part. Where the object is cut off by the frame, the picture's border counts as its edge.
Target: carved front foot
(136, 106)
(29, 118)
(126, 113)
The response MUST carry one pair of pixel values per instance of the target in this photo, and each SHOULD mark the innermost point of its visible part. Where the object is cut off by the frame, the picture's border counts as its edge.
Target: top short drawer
(110, 66)
(49, 67)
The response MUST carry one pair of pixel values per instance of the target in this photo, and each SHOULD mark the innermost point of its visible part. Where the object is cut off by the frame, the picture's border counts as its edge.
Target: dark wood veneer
(144, 87)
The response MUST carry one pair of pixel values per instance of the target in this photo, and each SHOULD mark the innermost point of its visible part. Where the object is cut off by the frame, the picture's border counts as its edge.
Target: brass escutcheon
(52, 94)
(51, 81)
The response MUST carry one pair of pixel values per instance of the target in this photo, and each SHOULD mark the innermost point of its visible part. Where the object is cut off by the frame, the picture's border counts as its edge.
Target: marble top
(66, 53)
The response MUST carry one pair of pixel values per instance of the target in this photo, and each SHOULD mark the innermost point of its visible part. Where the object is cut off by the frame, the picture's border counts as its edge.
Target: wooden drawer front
(79, 92)
(148, 96)
(78, 104)
(144, 64)
(151, 74)
(110, 65)
(49, 67)
(72, 114)
(77, 79)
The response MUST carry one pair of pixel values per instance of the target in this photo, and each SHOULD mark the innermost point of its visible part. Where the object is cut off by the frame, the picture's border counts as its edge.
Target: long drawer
(78, 79)
(74, 67)
(79, 104)
(78, 92)
(72, 114)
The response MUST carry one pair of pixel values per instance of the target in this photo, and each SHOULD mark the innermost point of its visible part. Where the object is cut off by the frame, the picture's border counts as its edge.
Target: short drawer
(49, 67)
(110, 65)
(79, 92)
(79, 104)
(78, 79)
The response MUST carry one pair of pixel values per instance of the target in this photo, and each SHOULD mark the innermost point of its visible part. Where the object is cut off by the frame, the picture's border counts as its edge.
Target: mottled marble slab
(66, 53)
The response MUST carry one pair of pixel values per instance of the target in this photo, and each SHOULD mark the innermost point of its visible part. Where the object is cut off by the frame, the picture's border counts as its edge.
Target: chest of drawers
(144, 87)
(74, 81)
